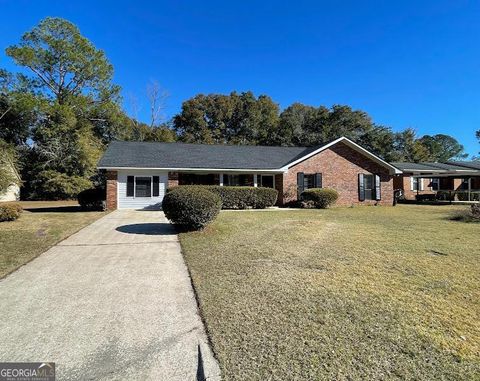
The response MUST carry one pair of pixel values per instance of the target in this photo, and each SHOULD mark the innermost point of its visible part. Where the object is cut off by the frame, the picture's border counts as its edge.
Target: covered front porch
(227, 179)
(451, 188)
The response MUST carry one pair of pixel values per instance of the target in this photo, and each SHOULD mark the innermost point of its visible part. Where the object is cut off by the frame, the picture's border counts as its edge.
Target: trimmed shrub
(10, 211)
(191, 207)
(241, 197)
(92, 199)
(320, 198)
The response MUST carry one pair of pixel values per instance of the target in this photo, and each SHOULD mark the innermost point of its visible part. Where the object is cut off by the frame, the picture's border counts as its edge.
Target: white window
(416, 183)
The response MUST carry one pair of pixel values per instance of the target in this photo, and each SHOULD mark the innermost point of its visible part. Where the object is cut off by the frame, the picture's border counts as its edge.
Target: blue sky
(408, 64)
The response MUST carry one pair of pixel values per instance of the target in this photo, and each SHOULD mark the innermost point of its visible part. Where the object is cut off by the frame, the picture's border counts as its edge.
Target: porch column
(255, 180)
(469, 188)
(221, 180)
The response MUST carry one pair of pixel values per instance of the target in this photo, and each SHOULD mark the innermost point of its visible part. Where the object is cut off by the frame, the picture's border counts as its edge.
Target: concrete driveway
(112, 302)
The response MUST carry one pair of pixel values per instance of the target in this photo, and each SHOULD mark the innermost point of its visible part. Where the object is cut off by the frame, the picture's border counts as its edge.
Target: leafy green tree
(18, 107)
(443, 147)
(77, 106)
(235, 119)
(408, 148)
(65, 62)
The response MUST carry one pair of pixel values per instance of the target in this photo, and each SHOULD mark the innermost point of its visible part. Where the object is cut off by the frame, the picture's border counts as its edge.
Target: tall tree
(19, 107)
(443, 147)
(64, 61)
(80, 108)
(234, 118)
(408, 148)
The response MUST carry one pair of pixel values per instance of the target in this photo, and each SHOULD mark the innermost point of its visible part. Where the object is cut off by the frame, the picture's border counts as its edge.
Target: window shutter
(420, 183)
(300, 185)
(378, 188)
(156, 186)
(412, 188)
(318, 180)
(130, 185)
(361, 187)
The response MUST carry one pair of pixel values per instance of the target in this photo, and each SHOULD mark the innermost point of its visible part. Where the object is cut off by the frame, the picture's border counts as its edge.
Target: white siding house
(143, 195)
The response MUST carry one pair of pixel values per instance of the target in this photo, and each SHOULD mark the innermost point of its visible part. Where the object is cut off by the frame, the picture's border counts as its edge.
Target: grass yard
(37, 229)
(366, 293)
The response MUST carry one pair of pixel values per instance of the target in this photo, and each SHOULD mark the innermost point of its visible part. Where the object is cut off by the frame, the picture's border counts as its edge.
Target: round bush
(191, 208)
(319, 198)
(92, 199)
(10, 212)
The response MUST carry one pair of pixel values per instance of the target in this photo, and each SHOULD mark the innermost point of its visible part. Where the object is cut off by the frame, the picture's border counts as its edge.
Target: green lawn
(35, 231)
(366, 293)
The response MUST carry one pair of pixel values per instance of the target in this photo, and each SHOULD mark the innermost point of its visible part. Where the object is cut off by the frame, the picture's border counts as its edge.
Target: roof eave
(189, 169)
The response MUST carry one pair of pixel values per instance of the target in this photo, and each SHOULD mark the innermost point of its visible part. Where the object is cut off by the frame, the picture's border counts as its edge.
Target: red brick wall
(172, 179)
(340, 166)
(111, 190)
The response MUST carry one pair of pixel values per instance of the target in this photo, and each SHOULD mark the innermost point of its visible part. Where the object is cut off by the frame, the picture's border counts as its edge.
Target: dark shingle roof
(182, 155)
(436, 167)
(467, 164)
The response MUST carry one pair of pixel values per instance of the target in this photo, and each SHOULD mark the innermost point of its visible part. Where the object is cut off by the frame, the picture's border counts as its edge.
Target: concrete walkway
(112, 302)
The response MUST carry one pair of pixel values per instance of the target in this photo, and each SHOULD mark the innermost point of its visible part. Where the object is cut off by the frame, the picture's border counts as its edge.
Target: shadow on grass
(161, 228)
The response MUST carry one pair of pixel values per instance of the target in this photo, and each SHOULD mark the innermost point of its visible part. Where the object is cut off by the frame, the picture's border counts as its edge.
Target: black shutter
(156, 189)
(361, 187)
(130, 185)
(378, 192)
(318, 180)
(300, 185)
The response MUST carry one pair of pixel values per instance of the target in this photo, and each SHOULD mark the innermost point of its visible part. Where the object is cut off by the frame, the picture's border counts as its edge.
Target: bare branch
(157, 97)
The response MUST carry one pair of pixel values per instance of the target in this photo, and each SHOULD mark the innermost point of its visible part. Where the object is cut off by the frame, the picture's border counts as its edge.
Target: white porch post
(221, 180)
(255, 180)
(469, 188)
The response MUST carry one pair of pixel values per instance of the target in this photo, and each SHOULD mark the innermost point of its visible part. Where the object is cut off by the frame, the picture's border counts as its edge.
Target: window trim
(151, 186)
(419, 184)
(261, 179)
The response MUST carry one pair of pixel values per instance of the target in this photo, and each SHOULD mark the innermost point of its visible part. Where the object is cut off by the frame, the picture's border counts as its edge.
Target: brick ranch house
(139, 173)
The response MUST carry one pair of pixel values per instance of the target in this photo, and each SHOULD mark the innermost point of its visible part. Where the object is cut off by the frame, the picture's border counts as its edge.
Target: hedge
(92, 199)
(319, 198)
(241, 197)
(191, 207)
(10, 211)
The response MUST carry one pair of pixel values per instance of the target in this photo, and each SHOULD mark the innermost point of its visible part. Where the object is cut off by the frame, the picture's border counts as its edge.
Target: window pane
(308, 181)
(369, 182)
(143, 187)
(266, 181)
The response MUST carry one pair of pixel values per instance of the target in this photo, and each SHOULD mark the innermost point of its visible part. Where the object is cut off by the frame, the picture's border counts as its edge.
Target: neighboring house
(13, 191)
(139, 173)
(455, 177)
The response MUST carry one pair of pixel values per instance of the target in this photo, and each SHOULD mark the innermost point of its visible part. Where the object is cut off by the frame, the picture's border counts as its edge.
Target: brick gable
(340, 166)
